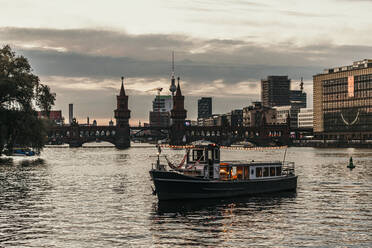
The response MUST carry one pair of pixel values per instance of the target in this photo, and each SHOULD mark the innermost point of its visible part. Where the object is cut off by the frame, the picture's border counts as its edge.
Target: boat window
(278, 171)
(272, 171)
(216, 154)
(210, 154)
(252, 172)
(239, 172)
(224, 172)
(258, 172)
(246, 172)
(266, 171)
(197, 155)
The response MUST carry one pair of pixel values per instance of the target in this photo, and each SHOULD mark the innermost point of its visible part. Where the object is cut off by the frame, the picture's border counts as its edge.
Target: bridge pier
(75, 144)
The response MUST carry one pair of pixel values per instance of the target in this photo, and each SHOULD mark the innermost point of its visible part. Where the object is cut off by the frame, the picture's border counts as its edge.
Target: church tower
(122, 116)
(178, 116)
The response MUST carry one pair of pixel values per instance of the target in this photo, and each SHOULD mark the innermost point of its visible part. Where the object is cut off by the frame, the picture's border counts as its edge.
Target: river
(102, 197)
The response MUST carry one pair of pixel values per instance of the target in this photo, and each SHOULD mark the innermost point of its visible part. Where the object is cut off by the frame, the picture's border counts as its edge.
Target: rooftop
(365, 63)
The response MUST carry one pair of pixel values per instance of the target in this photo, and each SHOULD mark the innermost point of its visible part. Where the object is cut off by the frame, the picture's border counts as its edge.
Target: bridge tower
(122, 115)
(178, 115)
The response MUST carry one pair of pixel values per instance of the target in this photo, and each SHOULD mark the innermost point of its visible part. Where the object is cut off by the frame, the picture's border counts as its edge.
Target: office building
(298, 98)
(343, 102)
(275, 91)
(160, 114)
(305, 118)
(205, 107)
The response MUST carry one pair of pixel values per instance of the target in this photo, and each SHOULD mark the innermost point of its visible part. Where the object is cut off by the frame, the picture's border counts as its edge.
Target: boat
(201, 175)
(22, 152)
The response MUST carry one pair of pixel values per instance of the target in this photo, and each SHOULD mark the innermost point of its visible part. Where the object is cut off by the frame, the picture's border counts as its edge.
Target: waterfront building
(275, 91)
(343, 102)
(205, 107)
(305, 118)
(256, 115)
(70, 113)
(285, 112)
(235, 118)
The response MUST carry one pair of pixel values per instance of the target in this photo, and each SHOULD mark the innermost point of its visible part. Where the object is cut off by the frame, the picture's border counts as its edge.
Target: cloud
(79, 63)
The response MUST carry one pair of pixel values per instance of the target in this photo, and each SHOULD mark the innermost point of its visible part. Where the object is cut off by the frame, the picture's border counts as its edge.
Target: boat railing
(288, 168)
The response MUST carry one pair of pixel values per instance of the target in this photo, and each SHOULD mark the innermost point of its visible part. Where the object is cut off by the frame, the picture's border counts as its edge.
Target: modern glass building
(343, 102)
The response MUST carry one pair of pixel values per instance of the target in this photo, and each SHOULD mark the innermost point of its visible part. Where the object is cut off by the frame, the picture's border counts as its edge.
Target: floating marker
(351, 164)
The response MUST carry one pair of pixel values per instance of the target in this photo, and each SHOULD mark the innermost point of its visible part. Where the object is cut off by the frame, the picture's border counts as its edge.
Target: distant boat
(202, 175)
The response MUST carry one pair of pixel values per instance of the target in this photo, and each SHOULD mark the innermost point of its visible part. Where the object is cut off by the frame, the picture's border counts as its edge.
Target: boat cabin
(204, 161)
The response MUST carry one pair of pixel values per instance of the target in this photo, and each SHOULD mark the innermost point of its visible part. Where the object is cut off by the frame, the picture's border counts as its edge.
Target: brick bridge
(178, 134)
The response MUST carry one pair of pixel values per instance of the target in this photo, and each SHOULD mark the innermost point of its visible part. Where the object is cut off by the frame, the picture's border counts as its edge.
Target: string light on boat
(227, 147)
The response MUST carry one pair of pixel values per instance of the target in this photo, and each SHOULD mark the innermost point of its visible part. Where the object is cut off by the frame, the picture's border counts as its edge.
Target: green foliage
(20, 89)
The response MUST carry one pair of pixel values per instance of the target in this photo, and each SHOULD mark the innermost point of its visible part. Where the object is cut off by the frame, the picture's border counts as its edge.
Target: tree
(20, 90)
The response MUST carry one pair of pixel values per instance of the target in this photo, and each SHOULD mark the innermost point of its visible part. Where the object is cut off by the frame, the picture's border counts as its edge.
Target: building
(70, 113)
(159, 119)
(205, 107)
(256, 115)
(343, 102)
(305, 118)
(162, 103)
(161, 108)
(275, 91)
(285, 112)
(298, 98)
(54, 115)
(235, 118)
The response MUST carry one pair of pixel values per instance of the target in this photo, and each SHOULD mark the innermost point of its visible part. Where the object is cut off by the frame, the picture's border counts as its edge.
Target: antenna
(173, 62)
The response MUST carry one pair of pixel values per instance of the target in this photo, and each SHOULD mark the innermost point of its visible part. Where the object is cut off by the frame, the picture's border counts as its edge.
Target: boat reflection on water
(256, 202)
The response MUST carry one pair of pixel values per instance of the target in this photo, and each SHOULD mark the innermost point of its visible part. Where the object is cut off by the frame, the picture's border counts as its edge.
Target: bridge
(177, 134)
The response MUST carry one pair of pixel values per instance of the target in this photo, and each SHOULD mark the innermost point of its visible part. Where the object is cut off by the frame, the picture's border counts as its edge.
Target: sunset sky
(222, 48)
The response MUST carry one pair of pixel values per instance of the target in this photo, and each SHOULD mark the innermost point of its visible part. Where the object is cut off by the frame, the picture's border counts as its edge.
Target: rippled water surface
(102, 197)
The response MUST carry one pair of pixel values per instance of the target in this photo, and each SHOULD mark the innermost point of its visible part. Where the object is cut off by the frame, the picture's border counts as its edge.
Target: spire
(178, 92)
(122, 91)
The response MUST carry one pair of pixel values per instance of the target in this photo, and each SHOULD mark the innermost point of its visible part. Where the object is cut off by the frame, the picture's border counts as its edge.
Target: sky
(222, 48)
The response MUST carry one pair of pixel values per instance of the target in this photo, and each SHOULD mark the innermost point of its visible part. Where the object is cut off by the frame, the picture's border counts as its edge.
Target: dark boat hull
(175, 186)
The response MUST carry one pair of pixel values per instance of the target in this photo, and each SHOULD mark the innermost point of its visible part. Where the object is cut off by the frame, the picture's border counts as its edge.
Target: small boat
(22, 152)
(202, 175)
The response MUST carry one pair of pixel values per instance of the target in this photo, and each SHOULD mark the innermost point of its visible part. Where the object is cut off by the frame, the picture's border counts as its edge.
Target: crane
(158, 89)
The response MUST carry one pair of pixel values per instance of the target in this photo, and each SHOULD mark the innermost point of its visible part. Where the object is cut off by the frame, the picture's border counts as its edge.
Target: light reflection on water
(101, 197)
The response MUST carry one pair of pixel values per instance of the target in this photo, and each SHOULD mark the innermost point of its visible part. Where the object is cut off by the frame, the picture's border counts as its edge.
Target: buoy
(351, 164)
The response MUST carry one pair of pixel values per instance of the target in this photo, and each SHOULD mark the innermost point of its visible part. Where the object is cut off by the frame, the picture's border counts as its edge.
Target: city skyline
(81, 51)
